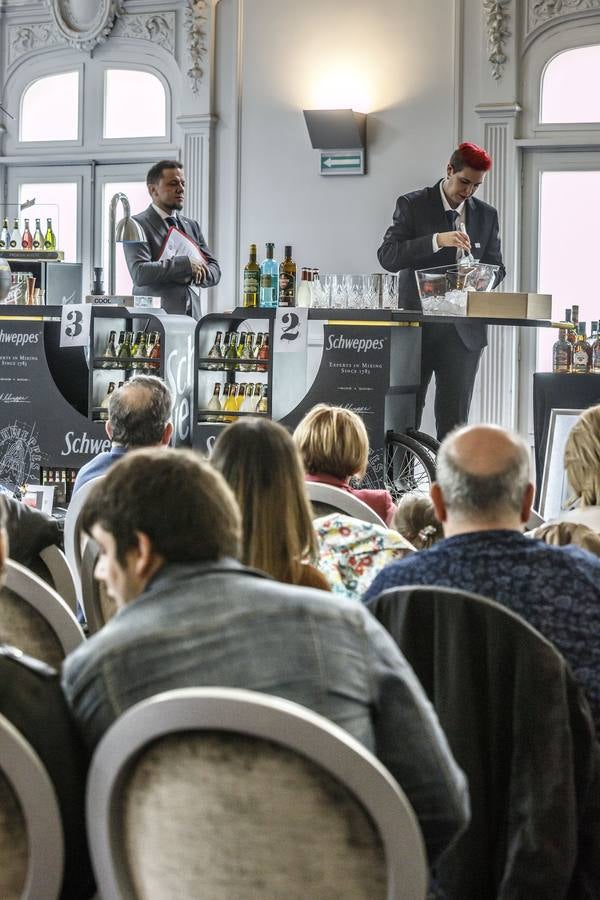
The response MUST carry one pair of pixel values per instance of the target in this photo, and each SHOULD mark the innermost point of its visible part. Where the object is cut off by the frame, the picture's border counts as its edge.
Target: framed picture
(556, 490)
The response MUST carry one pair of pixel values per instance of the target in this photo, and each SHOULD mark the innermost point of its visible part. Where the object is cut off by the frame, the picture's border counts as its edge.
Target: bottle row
(245, 352)
(123, 355)
(573, 353)
(273, 284)
(63, 481)
(17, 240)
(243, 398)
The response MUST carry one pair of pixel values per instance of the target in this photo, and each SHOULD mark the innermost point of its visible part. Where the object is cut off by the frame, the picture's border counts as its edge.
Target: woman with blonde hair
(261, 464)
(334, 445)
(582, 466)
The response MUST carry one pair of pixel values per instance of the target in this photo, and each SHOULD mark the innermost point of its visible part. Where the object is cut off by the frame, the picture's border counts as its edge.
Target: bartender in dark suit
(177, 280)
(427, 233)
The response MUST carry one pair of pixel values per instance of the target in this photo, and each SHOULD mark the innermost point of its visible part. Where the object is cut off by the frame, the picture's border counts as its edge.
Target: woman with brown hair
(261, 464)
(582, 466)
(334, 445)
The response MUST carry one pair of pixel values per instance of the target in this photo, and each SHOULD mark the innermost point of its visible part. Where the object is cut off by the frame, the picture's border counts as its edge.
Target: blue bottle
(269, 280)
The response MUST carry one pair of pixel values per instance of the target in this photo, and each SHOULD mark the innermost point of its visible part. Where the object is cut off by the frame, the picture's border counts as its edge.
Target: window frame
(79, 68)
(156, 140)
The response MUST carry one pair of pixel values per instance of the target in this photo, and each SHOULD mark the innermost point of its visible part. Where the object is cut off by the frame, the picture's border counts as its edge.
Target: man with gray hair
(483, 497)
(139, 415)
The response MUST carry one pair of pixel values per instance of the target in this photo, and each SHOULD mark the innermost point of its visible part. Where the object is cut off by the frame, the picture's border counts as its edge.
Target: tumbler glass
(355, 291)
(372, 291)
(389, 291)
(337, 290)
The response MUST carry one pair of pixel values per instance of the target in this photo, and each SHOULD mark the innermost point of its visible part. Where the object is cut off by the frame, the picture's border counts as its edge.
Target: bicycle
(410, 459)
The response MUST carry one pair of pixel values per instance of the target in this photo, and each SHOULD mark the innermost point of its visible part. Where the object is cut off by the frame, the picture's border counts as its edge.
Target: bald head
(483, 477)
(139, 413)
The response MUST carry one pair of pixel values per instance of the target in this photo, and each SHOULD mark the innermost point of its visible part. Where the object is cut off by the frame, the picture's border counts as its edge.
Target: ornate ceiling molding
(84, 23)
(544, 12)
(24, 39)
(159, 29)
(497, 18)
(197, 26)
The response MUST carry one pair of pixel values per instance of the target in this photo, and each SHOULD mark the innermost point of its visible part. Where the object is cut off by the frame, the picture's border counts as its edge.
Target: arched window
(569, 90)
(50, 109)
(134, 104)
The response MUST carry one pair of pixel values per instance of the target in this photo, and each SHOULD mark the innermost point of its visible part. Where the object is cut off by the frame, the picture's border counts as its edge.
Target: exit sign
(342, 162)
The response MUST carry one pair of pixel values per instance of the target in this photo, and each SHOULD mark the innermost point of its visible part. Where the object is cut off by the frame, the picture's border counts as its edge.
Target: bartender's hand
(199, 271)
(457, 239)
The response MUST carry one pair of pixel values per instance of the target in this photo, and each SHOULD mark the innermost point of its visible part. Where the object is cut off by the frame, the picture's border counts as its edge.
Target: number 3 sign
(291, 326)
(75, 325)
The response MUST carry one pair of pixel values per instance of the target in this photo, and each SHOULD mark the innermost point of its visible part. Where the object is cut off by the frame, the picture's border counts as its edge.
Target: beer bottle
(27, 239)
(49, 237)
(38, 237)
(4, 236)
(251, 285)
(15, 236)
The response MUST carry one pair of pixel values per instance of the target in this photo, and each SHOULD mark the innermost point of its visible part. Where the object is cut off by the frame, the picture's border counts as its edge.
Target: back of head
(261, 464)
(155, 173)
(179, 501)
(139, 412)
(483, 474)
(333, 441)
(560, 534)
(468, 155)
(416, 521)
(582, 457)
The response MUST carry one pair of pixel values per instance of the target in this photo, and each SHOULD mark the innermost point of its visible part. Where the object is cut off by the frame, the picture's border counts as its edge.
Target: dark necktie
(173, 220)
(452, 216)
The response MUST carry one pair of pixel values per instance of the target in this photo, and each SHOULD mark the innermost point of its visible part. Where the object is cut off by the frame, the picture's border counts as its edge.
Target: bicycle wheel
(408, 465)
(430, 444)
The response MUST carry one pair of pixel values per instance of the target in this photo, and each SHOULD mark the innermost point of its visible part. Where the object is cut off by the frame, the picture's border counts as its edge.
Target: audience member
(261, 464)
(483, 497)
(416, 521)
(334, 445)
(138, 416)
(32, 700)
(352, 552)
(582, 466)
(29, 531)
(190, 615)
(561, 534)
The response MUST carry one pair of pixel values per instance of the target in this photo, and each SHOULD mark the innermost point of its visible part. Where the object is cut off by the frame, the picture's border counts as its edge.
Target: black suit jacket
(407, 245)
(170, 280)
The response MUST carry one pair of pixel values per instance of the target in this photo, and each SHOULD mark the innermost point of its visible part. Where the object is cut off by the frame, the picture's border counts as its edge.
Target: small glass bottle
(231, 357)
(105, 401)
(249, 404)
(248, 354)
(27, 239)
(581, 353)
(263, 354)
(215, 351)
(263, 403)
(251, 287)
(38, 237)
(241, 396)
(561, 354)
(4, 236)
(110, 351)
(215, 403)
(256, 396)
(230, 404)
(15, 236)
(154, 355)
(49, 237)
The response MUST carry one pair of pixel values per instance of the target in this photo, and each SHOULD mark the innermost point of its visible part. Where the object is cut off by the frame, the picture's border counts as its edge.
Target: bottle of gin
(561, 354)
(251, 286)
(269, 279)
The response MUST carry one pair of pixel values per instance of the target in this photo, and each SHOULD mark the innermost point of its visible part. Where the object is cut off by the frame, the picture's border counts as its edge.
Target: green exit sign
(342, 162)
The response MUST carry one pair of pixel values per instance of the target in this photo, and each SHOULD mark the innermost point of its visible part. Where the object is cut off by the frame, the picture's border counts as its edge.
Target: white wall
(401, 54)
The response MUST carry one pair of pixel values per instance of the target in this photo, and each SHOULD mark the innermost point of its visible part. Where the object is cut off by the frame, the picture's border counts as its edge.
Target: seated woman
(415, 520)
(259, 460)
(561, 534)
(335, 448)
(582, 466)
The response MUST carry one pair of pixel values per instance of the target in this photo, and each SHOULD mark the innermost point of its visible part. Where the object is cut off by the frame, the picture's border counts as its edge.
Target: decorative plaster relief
(196, 20)
(540, 12)
(84, 23)
(27, 38)
(497, 18)
(160, 29)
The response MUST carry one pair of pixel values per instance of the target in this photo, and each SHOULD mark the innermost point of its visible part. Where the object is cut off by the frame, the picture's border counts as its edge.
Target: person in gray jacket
(175, 280)
(190, 615)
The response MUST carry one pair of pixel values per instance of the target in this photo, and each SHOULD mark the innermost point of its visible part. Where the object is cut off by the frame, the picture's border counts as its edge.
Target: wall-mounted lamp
(127, 230)
(340, 135)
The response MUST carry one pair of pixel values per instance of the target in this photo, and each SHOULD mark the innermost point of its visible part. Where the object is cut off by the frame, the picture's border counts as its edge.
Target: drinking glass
(389, 291)
(319, 294)
(355, 291)
(371, 291)
(337, 291)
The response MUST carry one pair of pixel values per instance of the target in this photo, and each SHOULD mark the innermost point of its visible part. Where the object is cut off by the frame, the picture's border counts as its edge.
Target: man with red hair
(431, 226)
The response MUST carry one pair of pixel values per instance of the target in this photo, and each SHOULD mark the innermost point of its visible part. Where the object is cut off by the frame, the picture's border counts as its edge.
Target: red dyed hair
(471, 155)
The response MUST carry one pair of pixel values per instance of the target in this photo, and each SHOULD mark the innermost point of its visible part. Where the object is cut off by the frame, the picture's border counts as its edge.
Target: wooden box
(504, 305)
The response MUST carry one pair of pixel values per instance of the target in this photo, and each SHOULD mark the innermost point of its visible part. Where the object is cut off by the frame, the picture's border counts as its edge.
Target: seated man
(31, 699)
(190, 615)
(29, 531)
(483, 497)
(138, 416)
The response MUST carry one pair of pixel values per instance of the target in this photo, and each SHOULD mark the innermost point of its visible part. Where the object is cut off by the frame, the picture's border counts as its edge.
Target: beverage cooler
(57, 283)
(52, 419)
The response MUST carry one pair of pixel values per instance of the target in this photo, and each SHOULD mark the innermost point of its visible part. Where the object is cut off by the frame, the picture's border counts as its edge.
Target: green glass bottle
(49, 237)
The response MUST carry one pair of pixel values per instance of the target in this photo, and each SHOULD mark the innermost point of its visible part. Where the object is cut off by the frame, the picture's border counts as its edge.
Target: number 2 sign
(291, 326)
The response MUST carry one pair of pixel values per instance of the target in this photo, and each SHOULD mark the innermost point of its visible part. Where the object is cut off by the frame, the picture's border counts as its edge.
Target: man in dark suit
(426, 233)
(175, 280)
